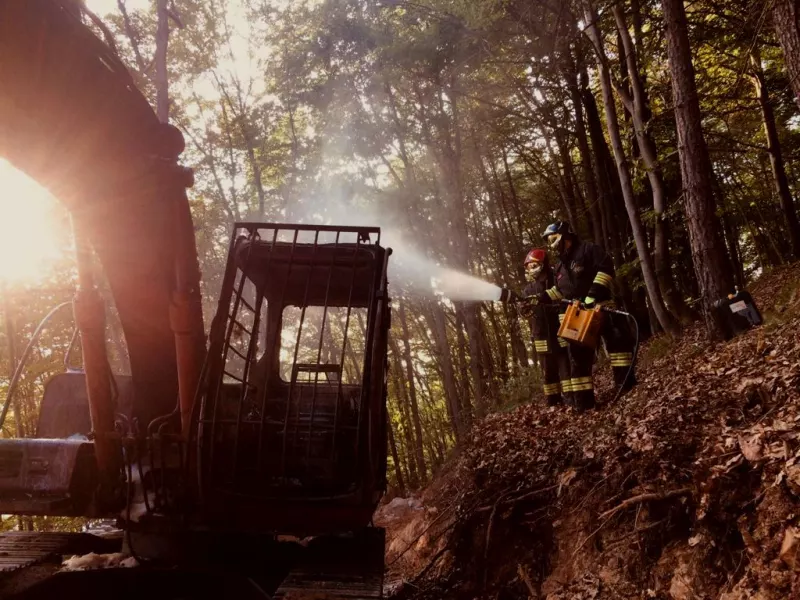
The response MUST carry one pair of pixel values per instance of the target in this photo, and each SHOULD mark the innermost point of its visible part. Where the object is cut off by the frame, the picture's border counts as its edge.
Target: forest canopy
(666, 132)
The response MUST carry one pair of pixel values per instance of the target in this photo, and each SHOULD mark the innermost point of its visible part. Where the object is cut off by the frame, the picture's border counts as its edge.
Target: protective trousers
(579, 388)
(619, 344)
(554, 364)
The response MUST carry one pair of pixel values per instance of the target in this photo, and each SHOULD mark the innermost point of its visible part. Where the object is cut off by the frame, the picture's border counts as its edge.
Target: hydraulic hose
(12, 386)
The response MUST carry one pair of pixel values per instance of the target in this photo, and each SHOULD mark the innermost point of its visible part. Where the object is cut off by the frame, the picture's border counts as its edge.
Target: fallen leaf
(565, 478)
(789, 548)
(751, 447)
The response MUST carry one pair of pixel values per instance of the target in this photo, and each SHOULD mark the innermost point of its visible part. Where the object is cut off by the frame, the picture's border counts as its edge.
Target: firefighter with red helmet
(585, 272)
(550, 349)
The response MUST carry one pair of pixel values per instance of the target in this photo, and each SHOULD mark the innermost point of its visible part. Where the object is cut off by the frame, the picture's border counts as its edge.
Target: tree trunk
(731, 238)
(412, 394)
(437, 324)
(567, 201)
(398, 469)
(161, 78)
(653, 291)
(786, 21)
(708, 251)
(775, 153)
(463, 365)
(405, 419)
(639, 110)
(472, 325)
(512, 187)
(604, 176)
(11, 335)
(590, 182)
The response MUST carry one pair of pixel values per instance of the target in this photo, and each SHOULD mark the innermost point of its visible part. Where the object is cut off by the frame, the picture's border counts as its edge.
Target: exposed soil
(686, 488)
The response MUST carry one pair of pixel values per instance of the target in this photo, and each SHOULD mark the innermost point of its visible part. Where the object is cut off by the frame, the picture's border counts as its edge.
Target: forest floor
(686, 488)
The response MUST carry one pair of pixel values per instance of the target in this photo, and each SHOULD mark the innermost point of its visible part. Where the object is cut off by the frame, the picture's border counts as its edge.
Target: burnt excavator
(246, 463)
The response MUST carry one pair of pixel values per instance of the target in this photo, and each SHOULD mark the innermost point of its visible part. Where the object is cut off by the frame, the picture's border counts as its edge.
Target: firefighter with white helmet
(585, 272)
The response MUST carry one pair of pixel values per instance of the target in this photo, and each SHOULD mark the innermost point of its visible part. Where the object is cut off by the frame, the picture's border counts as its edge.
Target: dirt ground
(686, 488)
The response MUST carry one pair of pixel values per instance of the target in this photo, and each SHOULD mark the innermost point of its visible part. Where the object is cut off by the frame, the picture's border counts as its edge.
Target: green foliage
(521, 389)
(657, 347)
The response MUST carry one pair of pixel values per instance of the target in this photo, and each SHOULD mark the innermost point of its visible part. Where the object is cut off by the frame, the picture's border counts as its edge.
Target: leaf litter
(686, 488)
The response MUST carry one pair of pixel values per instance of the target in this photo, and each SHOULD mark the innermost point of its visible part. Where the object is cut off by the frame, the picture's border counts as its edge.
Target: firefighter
(550, 349)
(584, 272)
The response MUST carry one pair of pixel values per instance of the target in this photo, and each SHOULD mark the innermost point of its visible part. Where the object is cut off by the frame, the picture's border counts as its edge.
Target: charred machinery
(243, 463)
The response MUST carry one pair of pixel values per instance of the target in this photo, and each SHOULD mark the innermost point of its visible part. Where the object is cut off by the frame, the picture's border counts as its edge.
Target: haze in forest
(410, 270)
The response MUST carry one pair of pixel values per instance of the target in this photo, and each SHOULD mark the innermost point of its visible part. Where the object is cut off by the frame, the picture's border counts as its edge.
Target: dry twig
(646, 498)
(526, 579)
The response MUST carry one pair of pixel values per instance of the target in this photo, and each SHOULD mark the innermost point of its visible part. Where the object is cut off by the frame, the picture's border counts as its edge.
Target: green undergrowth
(785, 306)
(520, 389)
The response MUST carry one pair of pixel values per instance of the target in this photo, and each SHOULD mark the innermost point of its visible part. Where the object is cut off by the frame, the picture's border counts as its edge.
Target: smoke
(416, 274)
(410, 270)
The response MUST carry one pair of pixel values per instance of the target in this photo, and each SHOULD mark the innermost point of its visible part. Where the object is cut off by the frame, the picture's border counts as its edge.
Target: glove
(526, 309)
(544, 298)
(589, 302)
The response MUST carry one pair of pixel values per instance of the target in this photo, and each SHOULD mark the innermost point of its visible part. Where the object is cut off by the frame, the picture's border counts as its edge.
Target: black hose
(635, 352)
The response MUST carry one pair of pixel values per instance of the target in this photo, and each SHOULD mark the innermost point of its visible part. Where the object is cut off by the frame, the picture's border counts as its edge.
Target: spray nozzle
(507, 296)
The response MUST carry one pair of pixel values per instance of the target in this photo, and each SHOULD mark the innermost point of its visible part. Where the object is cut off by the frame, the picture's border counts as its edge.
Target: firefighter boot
(583, 391)
(549, 361)
(566, 392)
(581, 382)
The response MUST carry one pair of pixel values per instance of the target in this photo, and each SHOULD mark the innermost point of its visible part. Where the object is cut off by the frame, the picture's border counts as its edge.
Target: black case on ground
(737, 314)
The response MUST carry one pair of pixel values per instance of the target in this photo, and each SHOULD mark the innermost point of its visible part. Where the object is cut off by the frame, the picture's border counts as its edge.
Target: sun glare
(103, 7)
(33, 236)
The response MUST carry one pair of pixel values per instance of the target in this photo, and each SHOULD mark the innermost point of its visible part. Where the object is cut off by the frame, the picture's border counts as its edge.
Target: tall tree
(653, 290)
(638, 107)
(786, 21)
(708, 251)
(775, 151)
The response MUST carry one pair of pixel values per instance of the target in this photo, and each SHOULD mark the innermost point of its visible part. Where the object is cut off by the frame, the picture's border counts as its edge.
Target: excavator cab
(291, 423)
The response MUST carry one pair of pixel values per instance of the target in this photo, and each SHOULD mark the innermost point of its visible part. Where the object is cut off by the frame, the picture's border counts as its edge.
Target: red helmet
(537, 255)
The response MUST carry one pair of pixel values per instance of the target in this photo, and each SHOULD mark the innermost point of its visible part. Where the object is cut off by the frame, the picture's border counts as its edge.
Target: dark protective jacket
(545, 320)
(584, 271)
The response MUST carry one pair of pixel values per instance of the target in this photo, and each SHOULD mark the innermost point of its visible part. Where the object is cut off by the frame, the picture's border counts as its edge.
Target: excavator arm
(72, 118)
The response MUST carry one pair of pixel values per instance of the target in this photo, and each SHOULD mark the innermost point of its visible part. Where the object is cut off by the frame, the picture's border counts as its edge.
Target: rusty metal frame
(300, 425)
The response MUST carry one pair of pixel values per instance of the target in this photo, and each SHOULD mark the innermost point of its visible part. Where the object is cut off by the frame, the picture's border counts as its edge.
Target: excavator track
(20, 549)
(341, 567)
(311, 585)
(338, 568)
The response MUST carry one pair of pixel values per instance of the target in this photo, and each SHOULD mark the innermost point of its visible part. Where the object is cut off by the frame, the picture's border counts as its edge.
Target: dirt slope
(686, 488)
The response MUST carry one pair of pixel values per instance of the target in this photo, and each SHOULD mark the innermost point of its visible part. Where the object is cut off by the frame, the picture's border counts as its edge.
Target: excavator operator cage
(294, 403)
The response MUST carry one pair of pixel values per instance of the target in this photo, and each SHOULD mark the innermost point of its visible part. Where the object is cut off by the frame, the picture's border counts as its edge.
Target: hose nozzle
(507, 296)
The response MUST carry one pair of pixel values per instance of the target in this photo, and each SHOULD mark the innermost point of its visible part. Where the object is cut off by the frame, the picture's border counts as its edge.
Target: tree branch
(132, 37)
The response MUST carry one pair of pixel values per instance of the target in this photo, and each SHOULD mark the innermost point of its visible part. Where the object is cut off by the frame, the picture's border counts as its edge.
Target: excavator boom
(247, 467)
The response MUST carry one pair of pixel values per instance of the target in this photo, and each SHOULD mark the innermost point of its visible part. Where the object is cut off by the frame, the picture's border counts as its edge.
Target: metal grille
(289, 360)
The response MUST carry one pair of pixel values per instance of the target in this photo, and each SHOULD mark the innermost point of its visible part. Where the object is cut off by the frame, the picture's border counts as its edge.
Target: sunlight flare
(32, 236)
